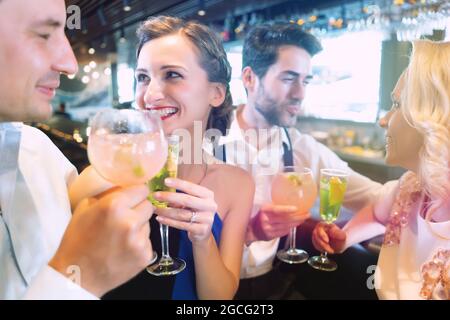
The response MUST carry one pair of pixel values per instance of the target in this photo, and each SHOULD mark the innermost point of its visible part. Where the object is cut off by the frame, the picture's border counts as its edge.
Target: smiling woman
(182, 74)
(414, 212)
(403, 141)
(212, 62)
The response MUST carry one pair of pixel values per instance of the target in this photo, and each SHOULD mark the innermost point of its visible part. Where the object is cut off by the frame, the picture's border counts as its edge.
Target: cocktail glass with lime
(333, 184)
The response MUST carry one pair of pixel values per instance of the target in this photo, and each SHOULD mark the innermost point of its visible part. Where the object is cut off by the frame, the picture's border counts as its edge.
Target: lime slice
(295, 180)
(138, 171)
(337, 191)
(157, 184)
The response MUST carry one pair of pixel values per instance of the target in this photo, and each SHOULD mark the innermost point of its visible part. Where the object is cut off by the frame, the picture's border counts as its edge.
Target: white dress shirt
(34, 177)
(268, 160)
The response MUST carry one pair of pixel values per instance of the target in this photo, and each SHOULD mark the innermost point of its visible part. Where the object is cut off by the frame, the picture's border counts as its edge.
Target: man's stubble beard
(269, 108)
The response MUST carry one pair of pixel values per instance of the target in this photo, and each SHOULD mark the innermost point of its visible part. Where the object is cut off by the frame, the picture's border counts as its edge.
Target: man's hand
(274, 221)
(107, 238)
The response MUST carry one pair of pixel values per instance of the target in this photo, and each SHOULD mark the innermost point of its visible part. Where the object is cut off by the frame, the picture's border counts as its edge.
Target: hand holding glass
(127, 147)
(295, 186)
(333, 184)
(167, 265)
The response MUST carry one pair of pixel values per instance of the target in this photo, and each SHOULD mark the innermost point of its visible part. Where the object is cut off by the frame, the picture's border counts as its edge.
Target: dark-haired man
(263, 139)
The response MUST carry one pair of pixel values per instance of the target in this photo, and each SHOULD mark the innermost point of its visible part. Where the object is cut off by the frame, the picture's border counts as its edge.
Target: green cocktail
(167, 265)
(333, 183)
(332, 190)
(169, 170)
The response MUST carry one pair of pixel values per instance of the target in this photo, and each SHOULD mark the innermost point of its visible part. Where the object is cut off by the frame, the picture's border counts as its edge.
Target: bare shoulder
(228, 175)
(234, 190)
(234, 177)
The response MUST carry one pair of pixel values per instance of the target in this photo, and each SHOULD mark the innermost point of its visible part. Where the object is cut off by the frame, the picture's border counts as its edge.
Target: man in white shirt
(45, 251)
(276, 71)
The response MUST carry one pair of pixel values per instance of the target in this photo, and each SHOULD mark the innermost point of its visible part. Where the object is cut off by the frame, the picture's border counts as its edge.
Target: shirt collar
(10, 135)
(20, 212)
(235, 133)
(10, 126)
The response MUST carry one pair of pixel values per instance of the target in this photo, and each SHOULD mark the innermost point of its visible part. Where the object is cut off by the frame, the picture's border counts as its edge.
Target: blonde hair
(426, 106)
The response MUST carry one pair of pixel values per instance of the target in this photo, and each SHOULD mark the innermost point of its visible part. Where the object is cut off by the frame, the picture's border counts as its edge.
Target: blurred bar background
(366, 47)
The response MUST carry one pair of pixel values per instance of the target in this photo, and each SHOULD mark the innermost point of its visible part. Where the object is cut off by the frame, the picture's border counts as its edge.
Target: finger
(186, 200)
(88, 184)
(189, 188)
(283, 229)
(288, 218)
(323, 236)
(314, 234)
(305, 215)
(328, 248)
(324, 226)
(279, 233)
(180, 225)
(129, 197)
(316, 244)
(273, 233)
(337, 233)
(185, 215)
(322, 246)
(84, 204)
(144, 232)
(278, 209)
(283, 220)
(286, 226)
(299, 216)
(174, 213)
(107, 192)
(143, 211)
(146, 244)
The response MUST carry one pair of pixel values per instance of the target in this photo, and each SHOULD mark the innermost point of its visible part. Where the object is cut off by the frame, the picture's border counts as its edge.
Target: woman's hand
(192, 211)
(329, 238)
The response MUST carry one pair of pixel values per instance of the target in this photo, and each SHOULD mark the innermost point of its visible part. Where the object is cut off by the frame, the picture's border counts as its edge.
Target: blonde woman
(414, 261)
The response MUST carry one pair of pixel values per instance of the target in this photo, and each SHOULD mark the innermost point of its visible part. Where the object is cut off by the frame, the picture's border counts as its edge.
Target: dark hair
(262, 43)
(213, 58)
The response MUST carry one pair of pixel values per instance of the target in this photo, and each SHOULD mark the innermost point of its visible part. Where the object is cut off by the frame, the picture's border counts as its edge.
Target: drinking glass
(167, 265)
(294, 186)
(333, 184)
(127, 147)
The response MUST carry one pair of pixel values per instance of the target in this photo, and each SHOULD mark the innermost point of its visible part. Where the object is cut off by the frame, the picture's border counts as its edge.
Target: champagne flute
(127, 147)
(167, 265)
(333, 184)
(294, 186)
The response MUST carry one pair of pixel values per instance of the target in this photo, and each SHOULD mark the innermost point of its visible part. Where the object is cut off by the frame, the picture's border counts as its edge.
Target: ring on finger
(193, 216)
